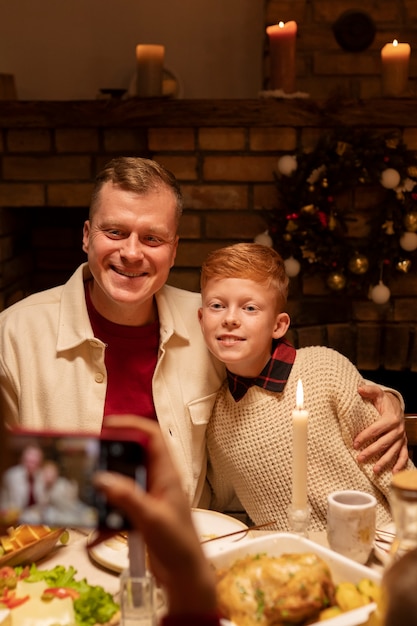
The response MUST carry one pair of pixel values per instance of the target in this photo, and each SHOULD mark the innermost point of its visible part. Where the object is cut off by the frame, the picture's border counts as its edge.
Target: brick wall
(224, 153)
(323, 67)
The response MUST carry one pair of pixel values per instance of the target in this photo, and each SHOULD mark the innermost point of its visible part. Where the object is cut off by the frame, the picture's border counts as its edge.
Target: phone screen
(49, 479)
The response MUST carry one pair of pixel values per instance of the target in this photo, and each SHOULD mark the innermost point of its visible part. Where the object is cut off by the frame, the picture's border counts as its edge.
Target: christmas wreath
(313, 224)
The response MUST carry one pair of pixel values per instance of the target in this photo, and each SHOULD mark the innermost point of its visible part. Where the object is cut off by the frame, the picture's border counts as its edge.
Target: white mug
(351, 518)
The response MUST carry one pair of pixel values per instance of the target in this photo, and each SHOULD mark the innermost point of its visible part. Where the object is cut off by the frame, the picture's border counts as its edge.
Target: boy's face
(239, 318)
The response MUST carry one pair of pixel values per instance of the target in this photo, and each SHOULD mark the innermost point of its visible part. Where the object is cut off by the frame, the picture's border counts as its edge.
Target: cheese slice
(7, 544)
(37, 612)
(5, 617)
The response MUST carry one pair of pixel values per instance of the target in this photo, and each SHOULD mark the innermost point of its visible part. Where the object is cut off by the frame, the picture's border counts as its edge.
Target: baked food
(261, 590)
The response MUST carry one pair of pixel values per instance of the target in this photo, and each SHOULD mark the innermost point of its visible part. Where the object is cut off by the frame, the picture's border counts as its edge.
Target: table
(75, 553)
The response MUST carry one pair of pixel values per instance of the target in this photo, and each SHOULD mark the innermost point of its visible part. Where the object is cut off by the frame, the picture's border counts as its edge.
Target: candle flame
(299, 397)
(395, 42)
(281, 24)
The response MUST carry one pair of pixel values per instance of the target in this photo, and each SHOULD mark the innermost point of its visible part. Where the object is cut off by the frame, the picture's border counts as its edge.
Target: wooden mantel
(177, 113)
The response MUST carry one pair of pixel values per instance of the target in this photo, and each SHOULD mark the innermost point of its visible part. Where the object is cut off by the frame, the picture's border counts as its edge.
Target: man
(22, 484)
(116, 339)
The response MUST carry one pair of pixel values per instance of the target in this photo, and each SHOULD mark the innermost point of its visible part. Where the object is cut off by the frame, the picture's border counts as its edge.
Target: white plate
(382, 548)
(342, 568)
(210, 524)
(113, 553)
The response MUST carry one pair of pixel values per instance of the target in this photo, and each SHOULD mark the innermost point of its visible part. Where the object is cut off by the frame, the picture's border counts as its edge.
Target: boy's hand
(389, 431)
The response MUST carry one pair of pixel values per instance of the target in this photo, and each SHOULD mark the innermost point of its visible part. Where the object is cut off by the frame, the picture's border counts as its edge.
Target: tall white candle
(149, 70)
(299, 451)
(395, 59)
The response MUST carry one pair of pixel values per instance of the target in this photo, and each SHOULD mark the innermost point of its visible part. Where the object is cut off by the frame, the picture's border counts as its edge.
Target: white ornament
(380, 294)
(292, 267)
(264, 239)
(287, 165)
(408, 241)
(390, 178)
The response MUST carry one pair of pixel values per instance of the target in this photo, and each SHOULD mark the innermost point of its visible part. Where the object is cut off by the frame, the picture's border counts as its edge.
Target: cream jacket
(52, 373)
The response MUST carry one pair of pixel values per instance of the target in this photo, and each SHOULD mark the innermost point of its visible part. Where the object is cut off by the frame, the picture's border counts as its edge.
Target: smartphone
(48, 477)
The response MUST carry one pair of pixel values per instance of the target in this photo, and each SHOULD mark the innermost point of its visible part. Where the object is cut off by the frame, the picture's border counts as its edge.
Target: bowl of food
(28, 544)
(283, 578)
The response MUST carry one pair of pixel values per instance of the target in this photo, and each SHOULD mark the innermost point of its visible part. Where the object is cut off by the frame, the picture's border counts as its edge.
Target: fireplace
(224, 154)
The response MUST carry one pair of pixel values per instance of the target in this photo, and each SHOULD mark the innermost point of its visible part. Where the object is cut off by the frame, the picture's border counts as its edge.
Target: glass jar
(403, 500)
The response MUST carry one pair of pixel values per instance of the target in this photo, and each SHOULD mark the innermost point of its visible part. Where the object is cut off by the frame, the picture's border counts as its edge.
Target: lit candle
(299, 451)
(149, 70)
(395, 59)
(282, 55)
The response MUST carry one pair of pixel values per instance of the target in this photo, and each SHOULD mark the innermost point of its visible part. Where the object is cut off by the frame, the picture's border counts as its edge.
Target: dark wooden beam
(265, 112)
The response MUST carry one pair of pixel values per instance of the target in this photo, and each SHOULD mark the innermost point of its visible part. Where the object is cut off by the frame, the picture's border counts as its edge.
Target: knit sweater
(250, 442)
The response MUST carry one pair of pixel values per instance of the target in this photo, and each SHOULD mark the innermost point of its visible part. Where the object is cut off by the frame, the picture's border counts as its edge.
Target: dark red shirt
(130, 359)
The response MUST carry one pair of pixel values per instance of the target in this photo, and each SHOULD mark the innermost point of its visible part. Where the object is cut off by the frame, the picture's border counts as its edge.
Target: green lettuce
(94, 605)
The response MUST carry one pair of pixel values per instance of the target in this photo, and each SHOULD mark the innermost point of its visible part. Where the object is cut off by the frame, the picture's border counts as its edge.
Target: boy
(244, 293)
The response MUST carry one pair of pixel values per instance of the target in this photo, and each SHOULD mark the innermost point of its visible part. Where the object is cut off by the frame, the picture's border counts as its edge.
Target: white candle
(299, 451)
(149, 70)
(395, 59)
(282, 39)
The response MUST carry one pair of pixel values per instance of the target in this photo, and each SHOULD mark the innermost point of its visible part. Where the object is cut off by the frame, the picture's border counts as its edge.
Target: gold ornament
(359, 264)
(410, 221)
(311, 188)
(316, 174)
(332, 222)
(392, 143)
(388, 226)
(310, 255)
(412, 171)
(287, 237)
(336, 281)
(341, 147)
(309, 209)
(403, 266)
(291, 226)
(325, 183)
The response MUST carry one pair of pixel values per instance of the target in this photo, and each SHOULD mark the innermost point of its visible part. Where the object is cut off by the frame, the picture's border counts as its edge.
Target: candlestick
(149, 70)
(395, 59)
(299, 451)
(282, 55)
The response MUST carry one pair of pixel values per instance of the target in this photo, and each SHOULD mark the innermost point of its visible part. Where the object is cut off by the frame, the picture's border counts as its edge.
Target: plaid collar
(273, 376)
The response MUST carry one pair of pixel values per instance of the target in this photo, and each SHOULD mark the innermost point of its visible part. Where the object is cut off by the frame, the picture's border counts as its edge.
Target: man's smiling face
(131, 243)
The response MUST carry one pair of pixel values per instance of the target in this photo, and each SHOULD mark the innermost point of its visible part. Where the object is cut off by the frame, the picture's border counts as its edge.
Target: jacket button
(99, 377)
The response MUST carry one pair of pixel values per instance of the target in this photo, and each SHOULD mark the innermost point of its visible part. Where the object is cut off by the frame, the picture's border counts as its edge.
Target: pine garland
(316, 207)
